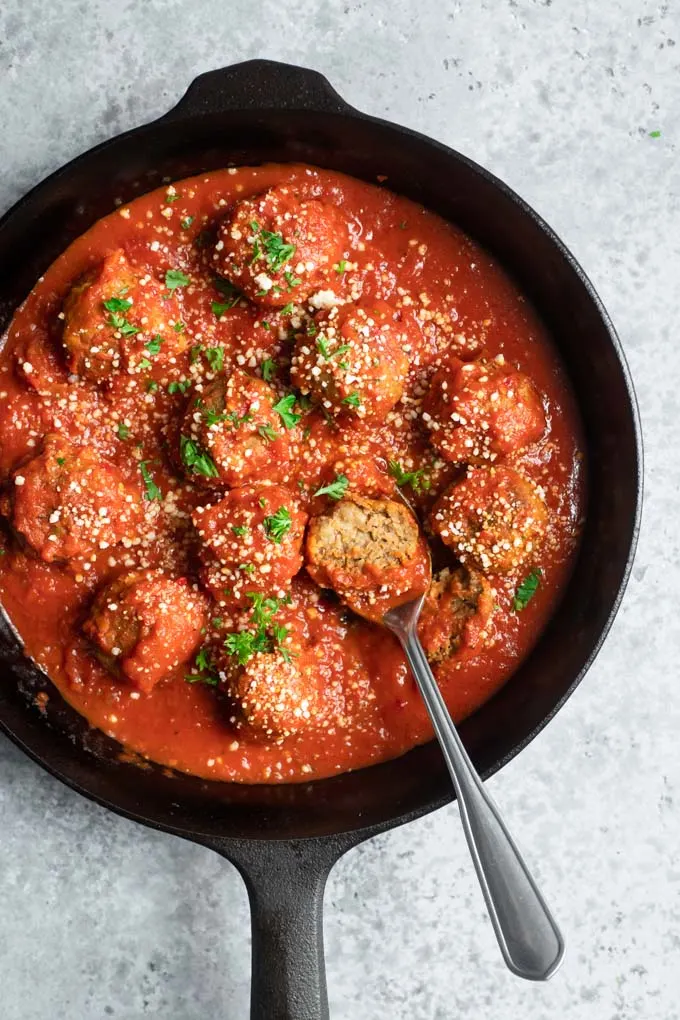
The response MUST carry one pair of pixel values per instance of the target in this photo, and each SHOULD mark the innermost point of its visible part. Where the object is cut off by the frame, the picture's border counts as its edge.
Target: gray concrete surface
(100, 918)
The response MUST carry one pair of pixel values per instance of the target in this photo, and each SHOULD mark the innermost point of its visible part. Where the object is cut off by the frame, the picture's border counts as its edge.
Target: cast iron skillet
(285, 839)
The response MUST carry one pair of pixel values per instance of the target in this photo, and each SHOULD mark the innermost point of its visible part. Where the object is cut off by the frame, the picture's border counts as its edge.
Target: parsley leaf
(278, 525)
(204, 670)
(152, 491)
(186, 222)
(215, 358)
(179, 386)
(655, 134)
(268, 369)
(341, 266)
(197, 460)
(291, 280)
(284, 409)
(322, 344)
(353, 400)
(526, 590)
(174, 278)
(268, 433)
(336, 489)
(242, 645)
(123, 431)
(144, 364)
(413, 478)
(240, 530)
(179, 327)
(154, 346)
(172, 196)
(275, 250)
(287, 309)
(115, 304)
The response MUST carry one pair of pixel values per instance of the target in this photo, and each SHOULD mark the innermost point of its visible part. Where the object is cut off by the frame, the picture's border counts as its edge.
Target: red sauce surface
(455, 302)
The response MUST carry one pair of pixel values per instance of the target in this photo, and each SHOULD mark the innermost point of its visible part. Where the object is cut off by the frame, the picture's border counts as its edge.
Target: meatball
(277, 696)
(455, 614)
(370, 552)
(68, 502)
(118, 317)
(251, 542)
(232, 434)
(493, 517)
(355, 364)
(480, 410)
(147, 624)
(277, 249)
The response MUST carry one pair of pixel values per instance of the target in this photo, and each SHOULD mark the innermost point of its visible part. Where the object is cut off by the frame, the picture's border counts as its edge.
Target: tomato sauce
(454, 300)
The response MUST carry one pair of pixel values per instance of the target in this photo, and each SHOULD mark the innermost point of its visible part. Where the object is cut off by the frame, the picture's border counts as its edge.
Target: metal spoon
(529, 939)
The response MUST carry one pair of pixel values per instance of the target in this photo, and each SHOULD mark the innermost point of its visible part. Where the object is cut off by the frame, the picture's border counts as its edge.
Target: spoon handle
(527, 934)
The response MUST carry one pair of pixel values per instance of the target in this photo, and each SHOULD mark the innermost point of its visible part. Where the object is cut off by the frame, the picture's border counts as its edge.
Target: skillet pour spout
(284, 840)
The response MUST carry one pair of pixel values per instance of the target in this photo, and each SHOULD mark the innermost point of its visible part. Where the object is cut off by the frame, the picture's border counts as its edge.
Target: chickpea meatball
(232, 433)
(277, 697)
(68, 502)
(251, 542)
(370, 552)
(482, 409)
(493, 517)
(147, 624)
(455, 614)
(355, 364)
(115, 317)
(276, 248)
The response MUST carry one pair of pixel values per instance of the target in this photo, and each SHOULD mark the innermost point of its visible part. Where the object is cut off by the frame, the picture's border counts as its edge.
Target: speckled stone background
(101, 918)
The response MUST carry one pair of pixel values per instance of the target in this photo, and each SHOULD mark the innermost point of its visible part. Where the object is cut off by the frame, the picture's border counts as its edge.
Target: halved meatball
(493, 517)
(147, 624)
(231, 432)
(370, 552)
(69, 501)
(118, 317)
(251, 542)
(456, 614)
(276, 248)
(355, 364)
(481, 409)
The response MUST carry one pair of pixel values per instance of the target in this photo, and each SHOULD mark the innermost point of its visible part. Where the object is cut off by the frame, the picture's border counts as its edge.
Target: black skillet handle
(285, 882)
(259, 85)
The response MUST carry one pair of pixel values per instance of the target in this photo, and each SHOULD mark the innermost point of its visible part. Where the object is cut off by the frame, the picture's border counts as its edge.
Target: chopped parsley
(291, 280)
(322, 344)
(144, 364)
(204, 671)
(195, 353)
(268, 433)
(275, 250)
(179, 386)
(123, 431)
(152, 491)
(229, 292)
(266, 636)
(352, 400)
(196, 459)
(186, 222)
(215, 358)
(61, 461)
(278, 525)
(526, 590)
(117, 305)
(336, 489)
(284, 409)
(655, 134)
(240, 530)
(413, 478)
(341, 266)
(174, 279)
(268, 369)
(247, 568)
(179, 327)
(154, 346)
(172, 196)
(151, 386)
(287, 309)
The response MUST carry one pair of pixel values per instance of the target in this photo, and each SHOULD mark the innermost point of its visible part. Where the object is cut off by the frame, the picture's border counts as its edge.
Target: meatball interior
(370, 552)
(456, 613)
